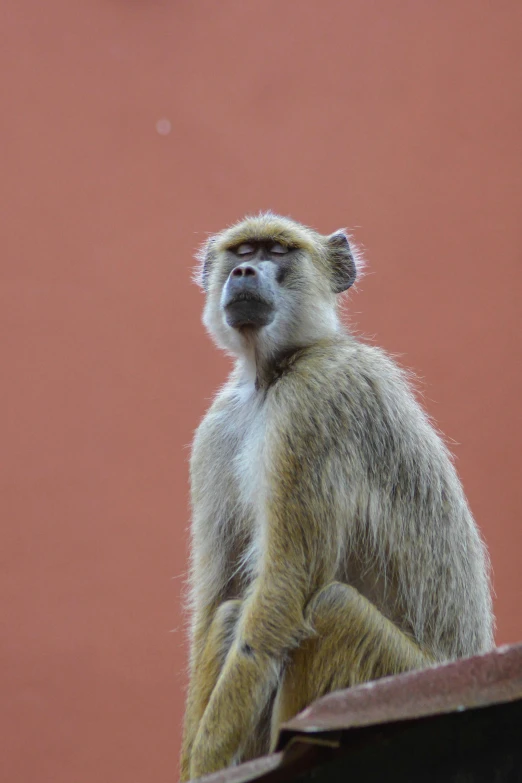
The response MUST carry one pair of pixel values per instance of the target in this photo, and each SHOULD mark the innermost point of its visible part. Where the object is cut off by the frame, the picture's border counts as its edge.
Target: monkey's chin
(249, 314)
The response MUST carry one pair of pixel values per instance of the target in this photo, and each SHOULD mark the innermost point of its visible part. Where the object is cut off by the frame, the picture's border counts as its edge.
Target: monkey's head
(272, 284)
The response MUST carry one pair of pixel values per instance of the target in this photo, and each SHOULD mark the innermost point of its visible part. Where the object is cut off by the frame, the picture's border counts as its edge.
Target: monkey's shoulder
(353, 399)
(347, 373)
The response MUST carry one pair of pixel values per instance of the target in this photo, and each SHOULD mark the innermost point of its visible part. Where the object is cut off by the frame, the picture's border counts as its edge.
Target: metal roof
(344, 724)
(470, 682)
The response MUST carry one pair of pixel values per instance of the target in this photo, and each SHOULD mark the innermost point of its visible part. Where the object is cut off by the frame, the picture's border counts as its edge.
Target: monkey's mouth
(248, 309)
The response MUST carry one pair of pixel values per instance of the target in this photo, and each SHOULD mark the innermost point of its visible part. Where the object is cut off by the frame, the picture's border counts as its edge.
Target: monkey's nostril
(244, 271)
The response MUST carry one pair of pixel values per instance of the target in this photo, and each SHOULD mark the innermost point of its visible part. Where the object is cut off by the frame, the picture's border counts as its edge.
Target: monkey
(331, 541)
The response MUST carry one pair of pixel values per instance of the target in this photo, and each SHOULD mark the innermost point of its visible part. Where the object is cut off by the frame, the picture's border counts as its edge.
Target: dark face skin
(249, 294)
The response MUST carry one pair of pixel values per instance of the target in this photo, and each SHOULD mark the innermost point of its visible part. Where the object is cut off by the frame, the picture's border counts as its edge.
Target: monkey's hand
(243, 689)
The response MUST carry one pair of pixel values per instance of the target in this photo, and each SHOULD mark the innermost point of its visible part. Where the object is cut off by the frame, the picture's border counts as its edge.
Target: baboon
(331, 540)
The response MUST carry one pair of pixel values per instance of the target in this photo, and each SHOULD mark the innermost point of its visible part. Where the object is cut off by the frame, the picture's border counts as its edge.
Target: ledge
(458, 721)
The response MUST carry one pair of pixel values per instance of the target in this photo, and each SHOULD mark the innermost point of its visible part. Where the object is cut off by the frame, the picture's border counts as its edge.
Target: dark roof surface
(344, 719)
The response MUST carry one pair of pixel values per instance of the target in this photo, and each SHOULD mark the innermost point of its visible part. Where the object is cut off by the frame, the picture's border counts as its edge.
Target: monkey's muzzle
(247, 310)
(245, 301)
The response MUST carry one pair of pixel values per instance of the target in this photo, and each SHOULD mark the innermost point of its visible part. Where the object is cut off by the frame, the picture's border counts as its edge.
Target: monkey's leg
(206, 670)
(354, 643)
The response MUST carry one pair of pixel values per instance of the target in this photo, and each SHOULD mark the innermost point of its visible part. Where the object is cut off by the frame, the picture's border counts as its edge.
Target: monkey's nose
(244, 271)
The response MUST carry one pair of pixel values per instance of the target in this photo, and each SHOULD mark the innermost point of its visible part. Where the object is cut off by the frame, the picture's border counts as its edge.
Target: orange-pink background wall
(128, 131)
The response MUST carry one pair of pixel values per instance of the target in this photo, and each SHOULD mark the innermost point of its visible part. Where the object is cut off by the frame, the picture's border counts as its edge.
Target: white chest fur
(248, 463)
(228, 475)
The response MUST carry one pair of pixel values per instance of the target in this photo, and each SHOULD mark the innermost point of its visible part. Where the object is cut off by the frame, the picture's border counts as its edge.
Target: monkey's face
(273, 282)
(249, 298)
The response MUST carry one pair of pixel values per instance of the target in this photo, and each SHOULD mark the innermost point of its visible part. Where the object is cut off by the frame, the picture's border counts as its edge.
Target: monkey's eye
(244, 249)
(278, 249)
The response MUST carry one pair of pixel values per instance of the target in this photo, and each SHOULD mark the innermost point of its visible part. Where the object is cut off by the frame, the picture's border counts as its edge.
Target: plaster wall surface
(129, 130)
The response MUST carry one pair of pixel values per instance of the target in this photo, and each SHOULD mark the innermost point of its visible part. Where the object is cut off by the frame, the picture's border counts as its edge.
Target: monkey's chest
(246, 513)
(248, 470)
(236, 487)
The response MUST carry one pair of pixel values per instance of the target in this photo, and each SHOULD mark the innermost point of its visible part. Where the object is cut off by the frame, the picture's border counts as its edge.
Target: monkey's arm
(299, 555)
(271, 620)
(195, 704)
(211, 641)
(212, 618)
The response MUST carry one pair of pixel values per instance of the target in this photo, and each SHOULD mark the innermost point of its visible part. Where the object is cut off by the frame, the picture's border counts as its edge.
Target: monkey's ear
(205, 257)
(342, 261)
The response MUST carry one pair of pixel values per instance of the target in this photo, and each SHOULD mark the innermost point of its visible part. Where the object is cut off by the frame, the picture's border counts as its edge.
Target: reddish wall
(401, 120)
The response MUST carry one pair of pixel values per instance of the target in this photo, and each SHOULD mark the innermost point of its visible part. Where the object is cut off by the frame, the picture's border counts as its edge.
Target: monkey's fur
(331, 540)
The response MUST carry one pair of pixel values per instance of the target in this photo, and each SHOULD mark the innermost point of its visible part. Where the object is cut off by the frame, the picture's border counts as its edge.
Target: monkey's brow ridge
(261, 239)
